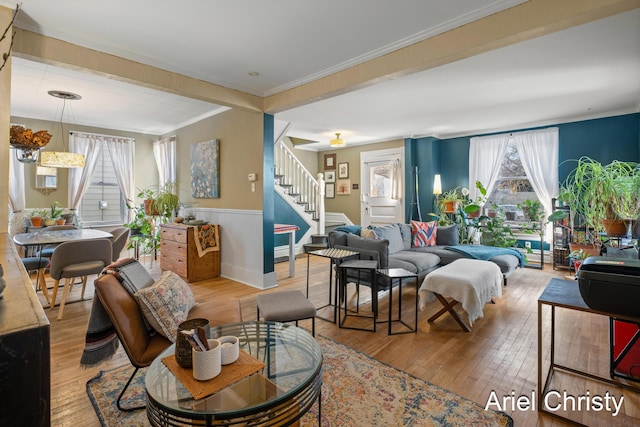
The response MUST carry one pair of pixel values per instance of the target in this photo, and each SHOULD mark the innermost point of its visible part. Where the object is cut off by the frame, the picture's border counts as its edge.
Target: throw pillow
(392, 234)
(424, 233)
(367, 233)
(448, 236)
(166, 304)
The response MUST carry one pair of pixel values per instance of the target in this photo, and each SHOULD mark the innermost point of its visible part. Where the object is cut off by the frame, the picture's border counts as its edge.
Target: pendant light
(62, 159)
(338, 142)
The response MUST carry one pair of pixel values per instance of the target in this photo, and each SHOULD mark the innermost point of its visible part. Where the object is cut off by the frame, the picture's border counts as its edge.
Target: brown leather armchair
(127, 318)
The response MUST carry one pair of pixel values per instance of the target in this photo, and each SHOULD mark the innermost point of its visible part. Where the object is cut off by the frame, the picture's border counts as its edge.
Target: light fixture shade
(338, 142)
(61, 159)
(437, 184)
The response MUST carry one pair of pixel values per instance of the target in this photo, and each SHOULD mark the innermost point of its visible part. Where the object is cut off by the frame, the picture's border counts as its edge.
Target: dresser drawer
(176, 234)
(172, 263)
(177, 249)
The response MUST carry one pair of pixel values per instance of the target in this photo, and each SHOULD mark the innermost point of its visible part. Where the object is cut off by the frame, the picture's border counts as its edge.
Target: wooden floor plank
(498, 355)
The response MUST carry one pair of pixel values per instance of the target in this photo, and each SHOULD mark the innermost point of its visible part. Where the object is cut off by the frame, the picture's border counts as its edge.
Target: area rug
(356, 391)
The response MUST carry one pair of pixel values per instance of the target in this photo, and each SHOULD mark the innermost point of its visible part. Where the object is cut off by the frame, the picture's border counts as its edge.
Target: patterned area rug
(356, 391)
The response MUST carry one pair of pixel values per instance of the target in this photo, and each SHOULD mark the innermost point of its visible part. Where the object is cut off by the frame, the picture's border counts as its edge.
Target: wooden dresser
(178, 253)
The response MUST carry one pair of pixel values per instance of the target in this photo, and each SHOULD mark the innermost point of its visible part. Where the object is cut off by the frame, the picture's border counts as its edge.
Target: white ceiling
(587, 71)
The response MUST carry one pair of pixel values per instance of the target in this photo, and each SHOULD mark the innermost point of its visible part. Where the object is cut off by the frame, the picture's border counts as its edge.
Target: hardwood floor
(499, 354)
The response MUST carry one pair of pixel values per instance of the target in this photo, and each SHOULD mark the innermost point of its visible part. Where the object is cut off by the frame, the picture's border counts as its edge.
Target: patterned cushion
(424, 233)
(166, 304)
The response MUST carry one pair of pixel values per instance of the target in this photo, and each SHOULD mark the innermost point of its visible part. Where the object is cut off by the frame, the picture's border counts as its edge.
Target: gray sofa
(394, 250)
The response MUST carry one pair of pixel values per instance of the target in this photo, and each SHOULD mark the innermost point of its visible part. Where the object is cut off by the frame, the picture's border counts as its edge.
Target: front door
(382, 178)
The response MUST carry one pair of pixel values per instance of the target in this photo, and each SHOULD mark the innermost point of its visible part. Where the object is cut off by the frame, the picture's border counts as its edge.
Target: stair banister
(320, 198)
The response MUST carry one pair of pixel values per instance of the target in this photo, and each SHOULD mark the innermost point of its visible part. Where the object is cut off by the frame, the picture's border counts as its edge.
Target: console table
(566, 294)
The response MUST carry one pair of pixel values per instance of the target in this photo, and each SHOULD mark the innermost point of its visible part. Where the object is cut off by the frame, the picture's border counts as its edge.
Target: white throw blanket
(471, 282)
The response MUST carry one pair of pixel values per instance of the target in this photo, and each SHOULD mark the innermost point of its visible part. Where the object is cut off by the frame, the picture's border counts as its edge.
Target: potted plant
(602, 195)
(449, 201)
(54, 214)
(494, 230)
(577, 257)
(160, 201)
(532, 210)
(37, 217)
(143, 233)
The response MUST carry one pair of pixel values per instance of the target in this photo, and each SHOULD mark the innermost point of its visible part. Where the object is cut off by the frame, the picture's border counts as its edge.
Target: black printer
(611, 285)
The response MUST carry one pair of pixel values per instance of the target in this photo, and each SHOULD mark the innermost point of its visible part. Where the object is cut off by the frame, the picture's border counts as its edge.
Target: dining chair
(78, 258)
(39, 265)
(119, 241)
(47, 251)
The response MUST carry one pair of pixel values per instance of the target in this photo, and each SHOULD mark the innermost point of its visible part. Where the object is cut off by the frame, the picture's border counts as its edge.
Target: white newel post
(320, 203)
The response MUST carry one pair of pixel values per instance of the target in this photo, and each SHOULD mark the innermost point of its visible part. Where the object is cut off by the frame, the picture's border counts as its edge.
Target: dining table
(54, 237)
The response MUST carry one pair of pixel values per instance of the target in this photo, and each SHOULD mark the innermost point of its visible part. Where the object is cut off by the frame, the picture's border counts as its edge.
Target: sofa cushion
(446, 256)
(370, 249)
(424, 233)
(405, 232)
(337, 238)
(392, 234)
(448, 235)
(418, 262)
(166, 304)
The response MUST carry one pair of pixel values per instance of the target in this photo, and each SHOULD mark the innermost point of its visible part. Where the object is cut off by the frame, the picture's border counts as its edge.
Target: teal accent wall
(285, 214)
(267, 194)
(425, 154)
(603, 140)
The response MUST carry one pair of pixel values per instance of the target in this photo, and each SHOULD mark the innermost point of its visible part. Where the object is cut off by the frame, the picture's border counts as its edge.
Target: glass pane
(380, 181)
(513, 186)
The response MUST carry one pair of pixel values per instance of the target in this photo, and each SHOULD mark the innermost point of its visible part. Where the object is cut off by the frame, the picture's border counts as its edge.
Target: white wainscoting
(241, 245)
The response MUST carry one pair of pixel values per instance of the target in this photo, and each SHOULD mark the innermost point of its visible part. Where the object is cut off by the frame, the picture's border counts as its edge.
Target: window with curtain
(516, 167)
(100, 191)
(103, 201)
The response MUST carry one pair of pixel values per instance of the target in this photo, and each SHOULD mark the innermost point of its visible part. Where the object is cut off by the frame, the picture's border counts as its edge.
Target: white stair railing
(301, 184)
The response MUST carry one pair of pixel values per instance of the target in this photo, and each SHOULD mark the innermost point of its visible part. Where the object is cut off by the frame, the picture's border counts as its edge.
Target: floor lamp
(415, 198)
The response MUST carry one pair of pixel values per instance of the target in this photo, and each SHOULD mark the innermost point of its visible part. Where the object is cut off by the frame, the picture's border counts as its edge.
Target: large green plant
(597, 192)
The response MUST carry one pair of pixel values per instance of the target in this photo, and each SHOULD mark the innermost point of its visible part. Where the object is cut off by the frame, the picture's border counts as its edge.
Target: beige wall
(146, 172)
(240, 136)
(350, 204)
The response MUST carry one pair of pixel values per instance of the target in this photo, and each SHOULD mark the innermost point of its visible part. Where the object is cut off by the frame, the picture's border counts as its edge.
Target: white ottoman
(470, 282)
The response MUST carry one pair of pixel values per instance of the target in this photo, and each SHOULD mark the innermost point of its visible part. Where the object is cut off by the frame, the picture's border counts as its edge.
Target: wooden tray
(241, 368)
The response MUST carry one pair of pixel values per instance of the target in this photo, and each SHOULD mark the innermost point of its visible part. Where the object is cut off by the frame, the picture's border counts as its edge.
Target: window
(103, 202)
(512, 185)
(381, 180)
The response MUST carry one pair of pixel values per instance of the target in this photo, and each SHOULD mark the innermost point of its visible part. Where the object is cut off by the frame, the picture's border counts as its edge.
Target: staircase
(302, 191)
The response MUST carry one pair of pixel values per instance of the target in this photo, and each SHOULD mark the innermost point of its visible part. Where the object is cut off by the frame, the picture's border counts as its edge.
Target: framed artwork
(343, 170)
(205, 170)
(344, 187)
(330, 176)
(329, 161)
(330, 191)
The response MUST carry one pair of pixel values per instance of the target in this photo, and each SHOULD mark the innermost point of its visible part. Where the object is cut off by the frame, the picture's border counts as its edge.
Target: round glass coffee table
(277, 395)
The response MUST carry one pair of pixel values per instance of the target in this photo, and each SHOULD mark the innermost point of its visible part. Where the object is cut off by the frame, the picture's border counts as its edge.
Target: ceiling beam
(525, 21)
(56, 52)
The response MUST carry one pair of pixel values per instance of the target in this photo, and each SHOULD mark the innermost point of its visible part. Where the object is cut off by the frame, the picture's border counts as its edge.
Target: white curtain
(164, 152)
(396, 180)
(538, 151)
(16, 194)
(80, 178)
(122, 152)
(485, 158)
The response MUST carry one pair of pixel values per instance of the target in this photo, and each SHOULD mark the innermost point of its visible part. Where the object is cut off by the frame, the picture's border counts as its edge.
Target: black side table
(336, 257)
(399, 273)
(359, 265)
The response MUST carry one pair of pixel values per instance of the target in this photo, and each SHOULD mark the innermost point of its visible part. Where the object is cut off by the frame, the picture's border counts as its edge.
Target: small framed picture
(343, 170)
(330, 191)
(330, 176)
(344, 187)
(329, 161)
